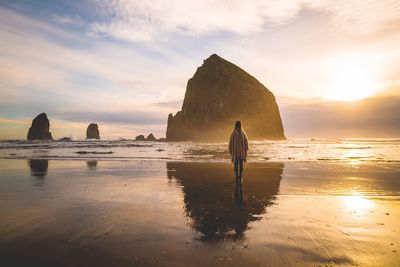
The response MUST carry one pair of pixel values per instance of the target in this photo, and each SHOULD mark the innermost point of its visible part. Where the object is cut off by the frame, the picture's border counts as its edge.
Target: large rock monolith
(217, 95)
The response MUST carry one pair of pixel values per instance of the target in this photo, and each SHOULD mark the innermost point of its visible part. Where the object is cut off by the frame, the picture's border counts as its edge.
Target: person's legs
(236, 168)
(241, 167)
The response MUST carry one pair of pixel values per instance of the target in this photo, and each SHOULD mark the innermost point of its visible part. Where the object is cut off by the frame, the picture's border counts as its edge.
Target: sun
(351, 79)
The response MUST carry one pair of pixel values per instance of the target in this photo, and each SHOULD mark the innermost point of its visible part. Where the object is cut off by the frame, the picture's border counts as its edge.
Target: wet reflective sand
(141, 213)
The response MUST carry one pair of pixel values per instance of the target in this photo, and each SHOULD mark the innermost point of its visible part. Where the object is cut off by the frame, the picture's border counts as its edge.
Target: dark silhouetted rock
(151, 137)
(40, 128)
(65, 139)
(216, 96)
(162, 139)
(140, 138)
(92, 131)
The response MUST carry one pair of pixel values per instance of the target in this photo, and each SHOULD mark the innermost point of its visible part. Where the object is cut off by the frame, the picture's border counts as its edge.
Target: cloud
(12, 121)
(52, 66)
(48, 64)
(174, 105)
(69, 20)
(371, 117)
(145, 20)
(148, 20)
(138, 117)
(364, 17)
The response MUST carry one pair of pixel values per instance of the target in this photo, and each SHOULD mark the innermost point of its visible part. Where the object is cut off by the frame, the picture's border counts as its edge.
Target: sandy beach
(163, 213)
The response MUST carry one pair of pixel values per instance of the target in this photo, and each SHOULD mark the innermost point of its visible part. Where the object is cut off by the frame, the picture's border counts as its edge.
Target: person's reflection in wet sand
(213, 209)
(91, 164)
(239, 192)
(38, 170)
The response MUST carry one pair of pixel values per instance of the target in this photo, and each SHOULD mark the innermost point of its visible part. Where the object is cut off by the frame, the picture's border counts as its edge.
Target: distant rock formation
(216, 96)
(40, 128)
(151, 137)
(65, 139)
(140, 138)
(92, 131)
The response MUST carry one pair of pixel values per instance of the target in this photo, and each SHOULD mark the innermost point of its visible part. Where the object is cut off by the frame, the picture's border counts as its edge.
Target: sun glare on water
(351, 79)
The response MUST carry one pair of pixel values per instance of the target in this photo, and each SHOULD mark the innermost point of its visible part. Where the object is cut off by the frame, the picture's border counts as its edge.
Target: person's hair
(238, 125)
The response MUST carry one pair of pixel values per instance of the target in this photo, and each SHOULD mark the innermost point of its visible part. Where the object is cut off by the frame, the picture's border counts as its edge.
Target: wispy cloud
(76, 79)
(13, 121)
(56, 62)
(363, 17)
(148, 20)
(138, 117)
(69, 20)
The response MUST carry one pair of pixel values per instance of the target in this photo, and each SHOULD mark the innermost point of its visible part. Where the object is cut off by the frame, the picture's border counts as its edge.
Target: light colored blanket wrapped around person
(238, 145)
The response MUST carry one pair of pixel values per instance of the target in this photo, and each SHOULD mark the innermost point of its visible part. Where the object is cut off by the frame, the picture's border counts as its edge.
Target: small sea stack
(92, 131)
(151, 137)
(40, 128)
(140, 138)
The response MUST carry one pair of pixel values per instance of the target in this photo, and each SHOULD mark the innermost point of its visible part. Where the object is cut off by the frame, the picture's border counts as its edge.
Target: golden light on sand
(357, 202)
(351, 79)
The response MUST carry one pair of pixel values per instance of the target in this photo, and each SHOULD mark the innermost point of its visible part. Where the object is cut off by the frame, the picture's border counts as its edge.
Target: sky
(332, 65)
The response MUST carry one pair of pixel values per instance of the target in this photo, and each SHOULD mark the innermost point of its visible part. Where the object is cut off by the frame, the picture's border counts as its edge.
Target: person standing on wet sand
(238, 147)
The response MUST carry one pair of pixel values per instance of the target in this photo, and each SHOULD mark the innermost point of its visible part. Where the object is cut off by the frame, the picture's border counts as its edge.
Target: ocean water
(126, 203)
(337, 150)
